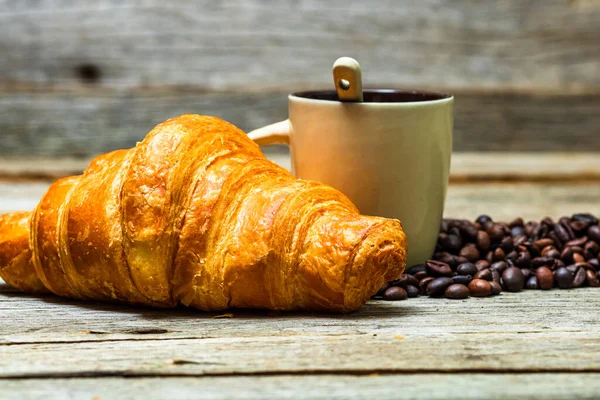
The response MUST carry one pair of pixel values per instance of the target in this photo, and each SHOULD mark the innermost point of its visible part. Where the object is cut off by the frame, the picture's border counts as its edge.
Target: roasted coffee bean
(498, 254)
(541, 261)
(405, 280)
(563, 278)
(470, 252)
(548, 222)
(562, 233)
(523, 260)
(457, 291)
(469, 231)
(577, 242)
(532, 283)
(482, 219)
(593, 233)
(499, 266)
(519, 240)
(414, 269)
(437, 286)
(585, 217)
(452, 242)
(550, 251)
(395, 293)
(383, 288)
(579, 226)
(517, 231)
(592, 278)
(558, 264)
(594, 263)
(412, 291)
(444, 226)
(567, 255)
(496, 276)
(480, 288)
(466, 269)
(580, 277)
(592, 247)
(482, 264)
(463, 279)
(484, 274)
(531, 249)
(572, 268)
(438, 268)
(423, 283)
(526, 273)
(567, 227)
(420, 275)
(454, 229)
(512, 256)
(516, 222)
(544, 277)
(507, 244)
(578, 258)
(540, 244)
(495, 232)
(483, 241)
(496, 288)
(489, 257)
(513, 279)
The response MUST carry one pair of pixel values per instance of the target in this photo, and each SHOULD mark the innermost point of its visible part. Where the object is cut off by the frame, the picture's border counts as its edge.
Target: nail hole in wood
(88, 73)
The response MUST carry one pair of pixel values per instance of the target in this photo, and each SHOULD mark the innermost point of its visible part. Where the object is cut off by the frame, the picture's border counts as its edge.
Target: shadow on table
(372, 309)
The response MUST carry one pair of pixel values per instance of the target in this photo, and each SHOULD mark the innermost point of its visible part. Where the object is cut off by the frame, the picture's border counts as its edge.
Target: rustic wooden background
(82, 77)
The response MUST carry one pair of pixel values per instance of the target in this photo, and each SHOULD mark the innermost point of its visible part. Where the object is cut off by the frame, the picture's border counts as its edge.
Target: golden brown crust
(196, 215)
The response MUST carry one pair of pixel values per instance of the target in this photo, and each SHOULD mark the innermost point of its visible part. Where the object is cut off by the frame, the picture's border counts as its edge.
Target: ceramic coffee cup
(389, 154)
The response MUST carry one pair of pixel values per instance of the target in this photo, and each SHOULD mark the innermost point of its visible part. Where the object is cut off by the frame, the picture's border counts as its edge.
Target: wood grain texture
(252, 43)
(72, 124)
(554, 331)
(411, 386)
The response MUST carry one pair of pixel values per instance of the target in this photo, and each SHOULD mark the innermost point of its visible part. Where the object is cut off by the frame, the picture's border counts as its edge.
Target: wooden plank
(466, 167)
(533, 331)
(73, 124)
(252, 43)
(429, 386)
(502, 200)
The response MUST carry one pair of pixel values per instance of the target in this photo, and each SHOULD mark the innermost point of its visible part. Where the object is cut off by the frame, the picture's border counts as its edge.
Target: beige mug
(389, 154)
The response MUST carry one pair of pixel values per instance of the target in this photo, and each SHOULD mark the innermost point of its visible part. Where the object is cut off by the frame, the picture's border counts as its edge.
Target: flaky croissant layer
(195, 215)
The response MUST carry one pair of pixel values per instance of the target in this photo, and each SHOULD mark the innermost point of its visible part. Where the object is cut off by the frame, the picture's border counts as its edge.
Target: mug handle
(277, 133)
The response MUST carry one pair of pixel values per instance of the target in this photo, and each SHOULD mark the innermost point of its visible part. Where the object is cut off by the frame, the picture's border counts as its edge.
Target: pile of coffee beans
(484, 258)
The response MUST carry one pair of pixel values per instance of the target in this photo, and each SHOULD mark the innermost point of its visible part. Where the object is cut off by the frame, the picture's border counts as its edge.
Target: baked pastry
(196, 215)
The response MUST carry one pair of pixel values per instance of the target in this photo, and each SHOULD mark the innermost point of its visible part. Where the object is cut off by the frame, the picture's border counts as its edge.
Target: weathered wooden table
(535, 344)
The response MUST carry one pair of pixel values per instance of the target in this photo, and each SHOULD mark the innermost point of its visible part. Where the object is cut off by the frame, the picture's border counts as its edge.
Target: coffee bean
(563, 278)
(415, 268)
(499, 266)
(544, 277)
(512, 256)
(452, 242)
(507, 244)
(498, 254)
(383, 288)
(457, 291)
(395, 293)
(485, 274)
(438, 268)
(593, 233)
(470, 252)
(567, 255)
(547, 221)
(483, 241)
(562, 233)
(578, 258)
(579, 226)
(557, 264)
(592, 279)
(516, 231)
(577, 242)
(480, 288)
(405, 280)
(482, 219)
(531, 249)
(526, 273)
(516, 222)
(541, 261)
(444, 226)
(518, 240)
(532, 283)
(580, 277)
(466, 269)
(482, 264)
(496, 287)
(592, 247)
(567, 227)
(594, 262)
(540, 244)
(513, 279)
(420, 275)
(463, 279)
(585, 217)
(437, 286)
(412, 291)
(523, 260)
(550, 251)
(468, 230)
(423, 283)
(496, 233)
(496, 275)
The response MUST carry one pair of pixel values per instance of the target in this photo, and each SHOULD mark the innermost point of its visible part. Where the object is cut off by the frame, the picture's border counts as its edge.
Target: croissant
(196, 215)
